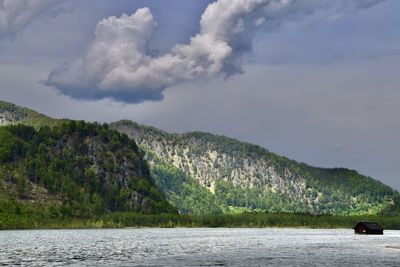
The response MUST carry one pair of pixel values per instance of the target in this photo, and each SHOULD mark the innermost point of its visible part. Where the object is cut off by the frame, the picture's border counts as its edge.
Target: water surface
(198, 247)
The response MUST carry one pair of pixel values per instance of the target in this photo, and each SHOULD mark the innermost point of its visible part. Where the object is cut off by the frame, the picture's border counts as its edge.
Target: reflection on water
(198, 247)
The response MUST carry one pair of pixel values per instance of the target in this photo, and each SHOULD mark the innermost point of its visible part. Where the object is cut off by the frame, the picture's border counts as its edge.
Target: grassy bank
(120, 220)
(250, 220)
(45, 215)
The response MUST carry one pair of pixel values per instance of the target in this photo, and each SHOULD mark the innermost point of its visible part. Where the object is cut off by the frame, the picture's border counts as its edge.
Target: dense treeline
(19, 215)
(248, 219)
(87, 170)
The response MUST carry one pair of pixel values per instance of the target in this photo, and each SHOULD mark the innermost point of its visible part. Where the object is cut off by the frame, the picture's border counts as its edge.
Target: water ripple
(198, 247)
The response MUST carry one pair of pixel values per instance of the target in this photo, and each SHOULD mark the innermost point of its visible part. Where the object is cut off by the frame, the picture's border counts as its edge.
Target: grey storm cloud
(117, 64)
(16, 15)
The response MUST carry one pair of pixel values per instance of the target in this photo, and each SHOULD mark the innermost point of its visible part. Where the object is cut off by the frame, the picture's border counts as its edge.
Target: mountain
(205, 173)
(73, 169)
(198, 173)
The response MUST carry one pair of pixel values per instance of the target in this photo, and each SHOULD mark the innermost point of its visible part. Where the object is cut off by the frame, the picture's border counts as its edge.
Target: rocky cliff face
(7, 117)
(242, 175)
(10, 113)
(208, 163)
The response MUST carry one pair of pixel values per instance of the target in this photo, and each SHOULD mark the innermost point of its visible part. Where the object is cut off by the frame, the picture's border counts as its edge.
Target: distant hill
(202, 173)
(198, 173)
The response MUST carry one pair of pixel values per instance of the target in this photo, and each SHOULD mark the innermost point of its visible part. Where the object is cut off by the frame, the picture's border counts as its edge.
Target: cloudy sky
(314, 80)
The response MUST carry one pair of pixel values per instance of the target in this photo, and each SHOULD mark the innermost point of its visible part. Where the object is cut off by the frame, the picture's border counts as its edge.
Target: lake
(198, 247)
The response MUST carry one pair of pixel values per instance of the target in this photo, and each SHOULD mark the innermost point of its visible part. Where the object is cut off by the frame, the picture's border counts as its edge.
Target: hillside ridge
(203, 173)
(241, 176)
(73, 170)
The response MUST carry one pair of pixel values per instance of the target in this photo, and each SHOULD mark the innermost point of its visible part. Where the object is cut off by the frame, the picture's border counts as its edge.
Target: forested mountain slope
(74, 169)
(202, 173)
(199, 173)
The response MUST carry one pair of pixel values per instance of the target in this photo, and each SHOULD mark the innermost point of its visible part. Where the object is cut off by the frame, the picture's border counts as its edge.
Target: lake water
(198, 247)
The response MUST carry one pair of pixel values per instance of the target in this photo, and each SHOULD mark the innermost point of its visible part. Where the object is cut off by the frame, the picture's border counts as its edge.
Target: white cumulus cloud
(117, 64)
(16, 15)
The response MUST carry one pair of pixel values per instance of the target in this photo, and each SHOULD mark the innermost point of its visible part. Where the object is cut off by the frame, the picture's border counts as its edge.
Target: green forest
(190, 198)
(74, 174)
(74, 170)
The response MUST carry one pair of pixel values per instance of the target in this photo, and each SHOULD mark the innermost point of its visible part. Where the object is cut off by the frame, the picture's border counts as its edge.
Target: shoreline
(177, 227)
(32, 221)
(189, 227)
